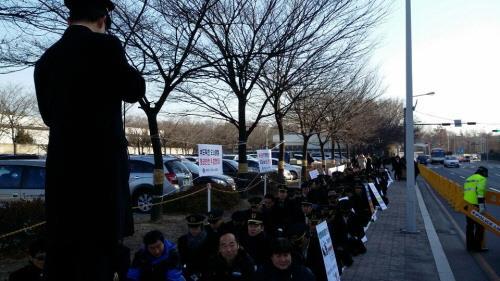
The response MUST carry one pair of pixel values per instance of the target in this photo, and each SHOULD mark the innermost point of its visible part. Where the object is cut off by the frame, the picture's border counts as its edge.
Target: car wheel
(143, 200)
(294, 175)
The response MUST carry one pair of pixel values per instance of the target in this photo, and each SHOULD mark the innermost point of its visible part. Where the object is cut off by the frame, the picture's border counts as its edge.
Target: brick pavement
(391, 254)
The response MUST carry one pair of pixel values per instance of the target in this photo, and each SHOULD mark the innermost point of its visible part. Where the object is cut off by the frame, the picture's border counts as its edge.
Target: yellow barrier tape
(174, 199)
(249, 187)
(22, 229)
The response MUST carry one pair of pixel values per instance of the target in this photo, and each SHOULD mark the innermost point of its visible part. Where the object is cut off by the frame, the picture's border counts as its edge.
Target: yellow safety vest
(474, 188)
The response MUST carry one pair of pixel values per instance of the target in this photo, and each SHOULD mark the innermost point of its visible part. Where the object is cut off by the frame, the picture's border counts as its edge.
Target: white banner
(210, 159)
(336, 169)
(326, 244)
(314, 174)
(265, 162)
(380, 201)
(389, 181)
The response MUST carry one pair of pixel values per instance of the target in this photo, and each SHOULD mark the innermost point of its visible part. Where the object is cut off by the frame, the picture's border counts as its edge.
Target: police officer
(255, 240)
(474, 190)
(157, 261)
(194, 248)
(214, 229)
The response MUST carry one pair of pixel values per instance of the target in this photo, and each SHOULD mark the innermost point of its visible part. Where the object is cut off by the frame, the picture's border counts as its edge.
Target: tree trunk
(242, 137)
(323, 158)
(13, 136)
(281, 155)
(340, 151)
(304, 156)
(333, 149)
(159, 173)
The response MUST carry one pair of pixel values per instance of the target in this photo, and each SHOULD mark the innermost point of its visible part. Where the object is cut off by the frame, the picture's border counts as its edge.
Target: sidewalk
(391, 254)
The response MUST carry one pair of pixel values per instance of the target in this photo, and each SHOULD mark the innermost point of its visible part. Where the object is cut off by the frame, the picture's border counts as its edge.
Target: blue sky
(456, 53)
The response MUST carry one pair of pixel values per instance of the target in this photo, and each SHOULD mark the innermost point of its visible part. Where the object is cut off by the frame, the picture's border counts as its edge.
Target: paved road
(459, 175)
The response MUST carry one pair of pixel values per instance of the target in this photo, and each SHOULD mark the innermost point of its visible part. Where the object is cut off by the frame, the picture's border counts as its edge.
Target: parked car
(141, 179)
(295, 170)
(230, 156)
(255, 165)
(19, 156)
(451, 161)
(221, 181)
(25, 179)
(22, 179)
(230, 168)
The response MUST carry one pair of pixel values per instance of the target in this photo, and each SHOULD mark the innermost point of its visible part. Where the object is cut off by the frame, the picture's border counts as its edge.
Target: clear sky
(456, 53)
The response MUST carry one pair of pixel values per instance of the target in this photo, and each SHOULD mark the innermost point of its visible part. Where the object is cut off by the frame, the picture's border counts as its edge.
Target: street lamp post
(410, 168)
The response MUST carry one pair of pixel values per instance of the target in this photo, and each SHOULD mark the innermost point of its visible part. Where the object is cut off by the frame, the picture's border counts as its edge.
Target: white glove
(482, 208)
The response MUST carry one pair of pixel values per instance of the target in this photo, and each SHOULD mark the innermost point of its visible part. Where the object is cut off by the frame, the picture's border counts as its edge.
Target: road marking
(485, 266)
(462, 177)
(495, 189)
(442, 264)
(497, 175)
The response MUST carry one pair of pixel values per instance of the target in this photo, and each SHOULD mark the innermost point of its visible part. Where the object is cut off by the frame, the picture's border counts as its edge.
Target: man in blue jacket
(157, 261)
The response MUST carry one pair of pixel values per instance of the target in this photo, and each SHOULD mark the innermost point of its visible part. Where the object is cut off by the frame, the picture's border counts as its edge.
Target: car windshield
(176, 166)
(451, 158)
(192, 167)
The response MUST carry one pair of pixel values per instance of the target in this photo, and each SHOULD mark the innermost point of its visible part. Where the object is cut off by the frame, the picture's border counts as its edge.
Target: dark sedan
(219, 181)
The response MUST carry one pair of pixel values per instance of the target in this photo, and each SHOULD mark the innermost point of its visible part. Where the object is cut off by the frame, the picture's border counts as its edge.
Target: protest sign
(210, 159)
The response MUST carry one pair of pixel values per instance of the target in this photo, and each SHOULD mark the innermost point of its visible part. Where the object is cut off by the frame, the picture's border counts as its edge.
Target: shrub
(17, 215)
(197, 203)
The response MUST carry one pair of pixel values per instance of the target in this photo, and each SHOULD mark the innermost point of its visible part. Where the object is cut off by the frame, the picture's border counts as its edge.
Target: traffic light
(496, 131)
(445, 124)
(471, 123)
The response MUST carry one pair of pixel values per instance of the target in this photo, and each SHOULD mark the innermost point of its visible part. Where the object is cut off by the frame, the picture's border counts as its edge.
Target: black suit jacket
(80, 84)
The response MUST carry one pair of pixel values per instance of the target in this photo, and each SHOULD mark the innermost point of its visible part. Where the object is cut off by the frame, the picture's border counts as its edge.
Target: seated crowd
(274, 239)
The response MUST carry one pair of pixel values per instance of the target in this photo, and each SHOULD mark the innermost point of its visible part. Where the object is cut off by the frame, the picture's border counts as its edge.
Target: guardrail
(453, 193)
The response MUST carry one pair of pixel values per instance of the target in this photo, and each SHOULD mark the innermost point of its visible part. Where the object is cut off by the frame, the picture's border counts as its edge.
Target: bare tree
(334, 40)
(17, 111)
(240, 39)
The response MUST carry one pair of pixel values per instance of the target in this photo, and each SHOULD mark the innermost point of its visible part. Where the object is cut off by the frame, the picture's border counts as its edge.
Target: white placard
(380, 201)
(313, 174)
(340, 168)
(389, 181)
(364, 239)
(370, 202)
(326, 244)
(210, 159)
(265, 162)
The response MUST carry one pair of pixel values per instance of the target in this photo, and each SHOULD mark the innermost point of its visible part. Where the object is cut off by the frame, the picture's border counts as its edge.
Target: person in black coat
(232, 263)
(281, 266)
(81, 82)
(255, 241)
(194, 248)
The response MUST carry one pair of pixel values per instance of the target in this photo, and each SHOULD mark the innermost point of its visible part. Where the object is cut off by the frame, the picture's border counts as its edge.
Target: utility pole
(410, 169)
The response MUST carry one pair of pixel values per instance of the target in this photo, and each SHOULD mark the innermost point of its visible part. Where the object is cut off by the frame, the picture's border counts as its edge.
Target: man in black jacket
(281, 266)
(81, 82)
(232, 262)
